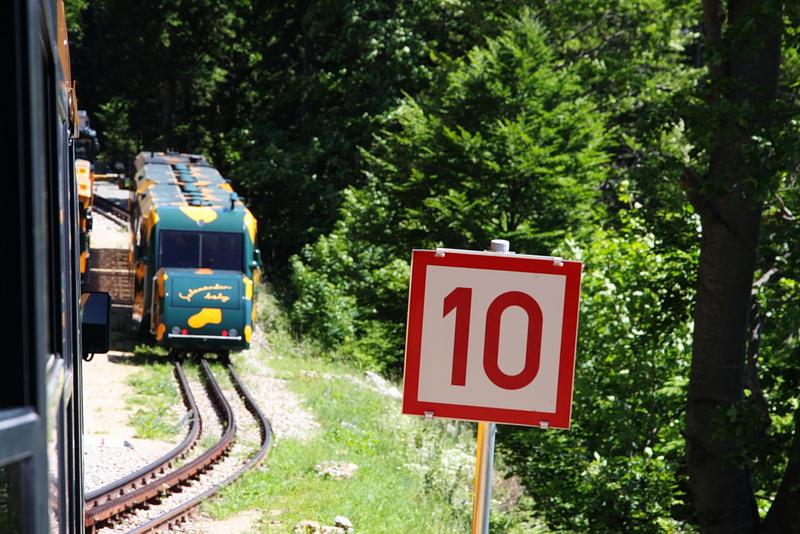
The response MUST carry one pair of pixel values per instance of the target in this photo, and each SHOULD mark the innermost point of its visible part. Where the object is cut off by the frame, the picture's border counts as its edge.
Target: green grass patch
(153, 403)
(411, 475)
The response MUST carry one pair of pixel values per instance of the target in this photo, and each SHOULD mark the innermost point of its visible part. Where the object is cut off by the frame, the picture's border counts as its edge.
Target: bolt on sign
(491, 337)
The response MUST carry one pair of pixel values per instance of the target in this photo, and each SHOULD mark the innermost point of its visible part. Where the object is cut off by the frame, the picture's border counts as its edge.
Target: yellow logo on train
(208, 296)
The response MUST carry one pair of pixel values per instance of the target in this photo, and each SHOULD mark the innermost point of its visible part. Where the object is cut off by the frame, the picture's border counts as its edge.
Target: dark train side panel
(41, 482)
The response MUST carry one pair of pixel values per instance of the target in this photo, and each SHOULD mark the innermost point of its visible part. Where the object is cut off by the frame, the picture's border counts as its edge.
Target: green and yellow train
(195, 258)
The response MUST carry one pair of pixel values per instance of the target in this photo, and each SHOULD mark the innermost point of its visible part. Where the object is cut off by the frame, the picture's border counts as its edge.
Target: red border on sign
(420, 261)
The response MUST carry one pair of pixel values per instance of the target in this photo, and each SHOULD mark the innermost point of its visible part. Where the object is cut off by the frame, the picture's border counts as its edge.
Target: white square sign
(491, 337)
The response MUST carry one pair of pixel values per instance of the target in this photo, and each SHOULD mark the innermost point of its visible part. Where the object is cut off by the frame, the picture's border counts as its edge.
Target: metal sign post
(484, 467)
(483, 478)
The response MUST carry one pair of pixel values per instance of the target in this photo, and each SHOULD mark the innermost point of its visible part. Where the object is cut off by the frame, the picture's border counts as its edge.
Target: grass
(412, 476)
(154, 402)
(398, 484)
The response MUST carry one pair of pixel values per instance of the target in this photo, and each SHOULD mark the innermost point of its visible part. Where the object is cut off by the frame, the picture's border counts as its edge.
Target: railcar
(194, 256)
(86, 148)
(49, 326)
(85, 180)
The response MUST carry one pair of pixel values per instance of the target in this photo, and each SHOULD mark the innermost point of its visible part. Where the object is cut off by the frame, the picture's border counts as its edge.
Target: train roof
(179, 185)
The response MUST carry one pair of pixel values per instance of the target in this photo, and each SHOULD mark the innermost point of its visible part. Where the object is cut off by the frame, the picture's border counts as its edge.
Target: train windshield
(193, 250)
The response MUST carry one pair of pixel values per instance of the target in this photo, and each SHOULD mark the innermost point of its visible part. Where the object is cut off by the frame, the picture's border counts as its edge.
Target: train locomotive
(194, 255)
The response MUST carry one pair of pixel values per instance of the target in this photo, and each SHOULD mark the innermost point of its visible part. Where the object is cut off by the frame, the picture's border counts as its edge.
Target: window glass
(180, 249)
(11, 502)
(210, 250)
(221, 251)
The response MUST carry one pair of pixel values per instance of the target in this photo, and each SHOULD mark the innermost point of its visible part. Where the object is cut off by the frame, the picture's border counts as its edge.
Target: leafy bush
(620, 468)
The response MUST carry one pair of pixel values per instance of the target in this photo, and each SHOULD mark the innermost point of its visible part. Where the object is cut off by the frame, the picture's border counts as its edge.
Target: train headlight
(233, 332)
(176, 330)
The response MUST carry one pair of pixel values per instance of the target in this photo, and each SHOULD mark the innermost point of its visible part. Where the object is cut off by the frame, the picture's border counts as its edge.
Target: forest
(656, 141)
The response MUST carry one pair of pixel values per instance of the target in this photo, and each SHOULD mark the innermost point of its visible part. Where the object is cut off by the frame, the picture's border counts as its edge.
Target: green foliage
(619, 468)
(359, 131)
(325, 311)
(72, 12)
(351, 297)
(640, 61)
(115, 115)
(509, 148)
(327, 72)
(171, 73)
(768, 412)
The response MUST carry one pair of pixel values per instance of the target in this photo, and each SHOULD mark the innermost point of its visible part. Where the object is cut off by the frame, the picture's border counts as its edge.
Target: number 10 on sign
(491, 337)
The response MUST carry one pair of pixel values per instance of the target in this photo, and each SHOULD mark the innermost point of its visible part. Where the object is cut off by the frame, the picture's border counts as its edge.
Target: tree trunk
(720, 482)
(743, 73)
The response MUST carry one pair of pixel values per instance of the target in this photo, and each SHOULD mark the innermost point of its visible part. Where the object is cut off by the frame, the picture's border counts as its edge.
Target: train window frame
(201, 243)
(19, 429)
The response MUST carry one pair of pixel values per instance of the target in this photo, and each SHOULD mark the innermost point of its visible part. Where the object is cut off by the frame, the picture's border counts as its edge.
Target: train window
(221, 251)
(210, 250)
(179, 249)
(12, 503)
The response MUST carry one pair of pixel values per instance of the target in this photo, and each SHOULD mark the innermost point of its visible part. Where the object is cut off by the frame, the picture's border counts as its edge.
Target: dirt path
(105, 388)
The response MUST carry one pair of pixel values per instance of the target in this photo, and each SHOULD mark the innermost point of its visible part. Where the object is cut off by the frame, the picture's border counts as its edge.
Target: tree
(743, 46)
(743, 42)
(359, 130)
(619, 469)
(509, 145)
(328, 71)
(163, 76)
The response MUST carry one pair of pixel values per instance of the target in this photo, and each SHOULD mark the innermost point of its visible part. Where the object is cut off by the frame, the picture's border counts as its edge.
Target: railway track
(111, 210)
(166, 492)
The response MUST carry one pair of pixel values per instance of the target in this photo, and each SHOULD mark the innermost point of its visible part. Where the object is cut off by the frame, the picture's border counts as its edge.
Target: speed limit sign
(491, 337)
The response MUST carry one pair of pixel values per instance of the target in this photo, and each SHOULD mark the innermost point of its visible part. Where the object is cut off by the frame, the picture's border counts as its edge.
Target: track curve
(153, 482)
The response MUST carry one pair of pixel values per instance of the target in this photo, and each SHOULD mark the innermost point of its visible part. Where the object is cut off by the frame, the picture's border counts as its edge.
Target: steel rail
(111, 499)
(110, 209)
(179, 513)
(156, 487)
